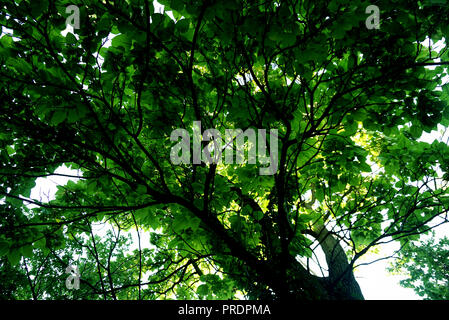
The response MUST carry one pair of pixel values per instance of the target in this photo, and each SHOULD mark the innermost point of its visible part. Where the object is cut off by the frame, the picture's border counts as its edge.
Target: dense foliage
(349, 102)
(426, 266)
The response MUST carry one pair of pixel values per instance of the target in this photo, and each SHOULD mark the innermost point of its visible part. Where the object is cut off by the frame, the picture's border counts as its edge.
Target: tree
(426, 265)
(349, 104)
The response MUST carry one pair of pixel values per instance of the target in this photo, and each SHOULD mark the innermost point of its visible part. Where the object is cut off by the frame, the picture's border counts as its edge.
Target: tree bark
(341, 283)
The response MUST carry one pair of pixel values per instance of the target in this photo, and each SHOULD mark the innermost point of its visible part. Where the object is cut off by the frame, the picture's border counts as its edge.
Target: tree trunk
(340, 283)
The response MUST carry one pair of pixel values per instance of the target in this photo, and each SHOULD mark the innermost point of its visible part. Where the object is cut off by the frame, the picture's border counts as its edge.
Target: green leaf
(203, 290)
(141, 189)
(70, 38)
(58, 117)
(364, 167)
(288, 39)
(179, 225)
(27, 251)
(4, 248)
(183, 25)
(105, 22)
(416, 131)
(258, 215)
(10, 150)
(14, 202)
(41, 243)
(14, 257)
(121, 40)
(319, 193)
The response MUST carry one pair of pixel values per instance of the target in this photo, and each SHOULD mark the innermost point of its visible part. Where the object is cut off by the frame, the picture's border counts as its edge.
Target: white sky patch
(46, 187)
(9, 32)
(159, 8)
(70, 29)
(376, 282)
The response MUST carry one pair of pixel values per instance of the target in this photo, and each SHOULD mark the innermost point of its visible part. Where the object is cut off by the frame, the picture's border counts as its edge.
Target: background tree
(349, 104)
(426, 265)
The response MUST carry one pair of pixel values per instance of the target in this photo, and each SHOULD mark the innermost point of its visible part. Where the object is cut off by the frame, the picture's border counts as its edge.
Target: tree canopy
(349, 102)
